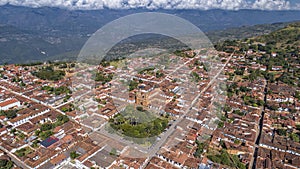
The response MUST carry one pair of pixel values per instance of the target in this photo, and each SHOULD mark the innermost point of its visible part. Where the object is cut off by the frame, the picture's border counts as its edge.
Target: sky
(161, 4)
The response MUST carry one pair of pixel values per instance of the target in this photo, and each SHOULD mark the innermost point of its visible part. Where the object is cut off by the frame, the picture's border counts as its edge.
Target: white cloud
(271, 4)
(153, 4)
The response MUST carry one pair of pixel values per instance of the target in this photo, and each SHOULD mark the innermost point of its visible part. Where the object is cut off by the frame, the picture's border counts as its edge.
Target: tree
(139, 108)
(244, 89)
(10, 114)
(3, 163)
(6, 164)
(45, 134)
(281, 132)
(295, 137)
(132, 85)
(63, 118)
(48, 73)
(200, 149)
(298, 127)
(113, 152)
(21, 135)
(37, 132)
(220, 124)
(46, 126)
(74, 154)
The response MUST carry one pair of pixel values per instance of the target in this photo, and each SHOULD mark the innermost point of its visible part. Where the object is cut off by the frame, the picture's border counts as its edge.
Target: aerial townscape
(234, 106)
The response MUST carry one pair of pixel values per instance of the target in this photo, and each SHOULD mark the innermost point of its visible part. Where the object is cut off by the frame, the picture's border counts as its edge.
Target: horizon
(265, 5)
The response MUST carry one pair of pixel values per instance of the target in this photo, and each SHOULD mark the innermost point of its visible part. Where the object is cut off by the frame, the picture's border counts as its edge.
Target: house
(58, 159)
(49, 141)
(263, 68)
(3, 118)
(27, 128)
(9, 103)
(3, 131)
(274, 54)
(26, 117)
(277, 68)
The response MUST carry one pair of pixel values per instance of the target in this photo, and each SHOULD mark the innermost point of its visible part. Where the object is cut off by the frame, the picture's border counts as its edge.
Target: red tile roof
(8, 102)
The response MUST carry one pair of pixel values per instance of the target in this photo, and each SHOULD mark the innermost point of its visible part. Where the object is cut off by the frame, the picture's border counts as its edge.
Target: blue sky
(165, 4)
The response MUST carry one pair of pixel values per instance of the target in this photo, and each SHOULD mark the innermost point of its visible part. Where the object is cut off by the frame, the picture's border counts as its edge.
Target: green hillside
(290, 35)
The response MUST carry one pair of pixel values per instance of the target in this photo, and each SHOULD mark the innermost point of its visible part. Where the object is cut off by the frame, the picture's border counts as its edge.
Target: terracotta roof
(88, 163)
(58, 159)
(8, 102)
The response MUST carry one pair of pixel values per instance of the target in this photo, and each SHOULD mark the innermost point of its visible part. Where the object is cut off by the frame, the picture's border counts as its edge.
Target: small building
(58, 159)
(49, 141)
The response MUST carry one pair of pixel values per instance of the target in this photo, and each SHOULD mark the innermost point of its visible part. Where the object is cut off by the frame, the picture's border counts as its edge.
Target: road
(261, 121)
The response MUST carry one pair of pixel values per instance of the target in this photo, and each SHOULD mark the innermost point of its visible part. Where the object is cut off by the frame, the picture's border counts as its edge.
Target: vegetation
(30, 64)
(220, 124)
(200, 148)
(45, 130)
(298, 127)
(252, 101)
(184, 53)
(238, 112)
(74, 154)
(226, 159)
(10, 114)
(288, 35)
(45, 134)
(102, 77)
(6, 164)
(195, 76)
(21, 135)
(138, 124)
(281, 132)
(295, 137)
(113, 152)
(35, 144)
(57, 91)
(68, 108)
(148, 70)
(244, 32)
(132, 85)
(48, 73)
(23, 152)
(159, 74)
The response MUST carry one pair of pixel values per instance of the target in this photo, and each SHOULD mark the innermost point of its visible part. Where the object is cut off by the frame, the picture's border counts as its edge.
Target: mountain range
(47, 33)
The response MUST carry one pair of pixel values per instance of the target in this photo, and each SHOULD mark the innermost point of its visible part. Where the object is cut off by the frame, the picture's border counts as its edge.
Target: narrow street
(261, 121)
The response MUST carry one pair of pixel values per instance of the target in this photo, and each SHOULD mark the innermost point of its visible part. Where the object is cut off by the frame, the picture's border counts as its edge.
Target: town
(234, 107)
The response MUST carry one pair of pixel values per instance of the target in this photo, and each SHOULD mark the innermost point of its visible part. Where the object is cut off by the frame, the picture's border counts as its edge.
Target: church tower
(142, 98)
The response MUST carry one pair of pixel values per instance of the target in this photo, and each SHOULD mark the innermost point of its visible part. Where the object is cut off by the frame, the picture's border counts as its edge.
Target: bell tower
(142, 98)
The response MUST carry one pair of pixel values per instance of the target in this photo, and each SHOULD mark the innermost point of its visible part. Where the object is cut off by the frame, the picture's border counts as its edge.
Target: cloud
(155, 4)
(271, 5)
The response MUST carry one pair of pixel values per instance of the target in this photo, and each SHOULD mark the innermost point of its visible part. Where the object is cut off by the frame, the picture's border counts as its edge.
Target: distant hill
(289, 35)
(46, 33)
(245, 31)
(284, 41)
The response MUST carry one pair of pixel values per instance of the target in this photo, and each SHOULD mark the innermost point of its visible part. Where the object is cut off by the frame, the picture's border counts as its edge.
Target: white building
(9, 103)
